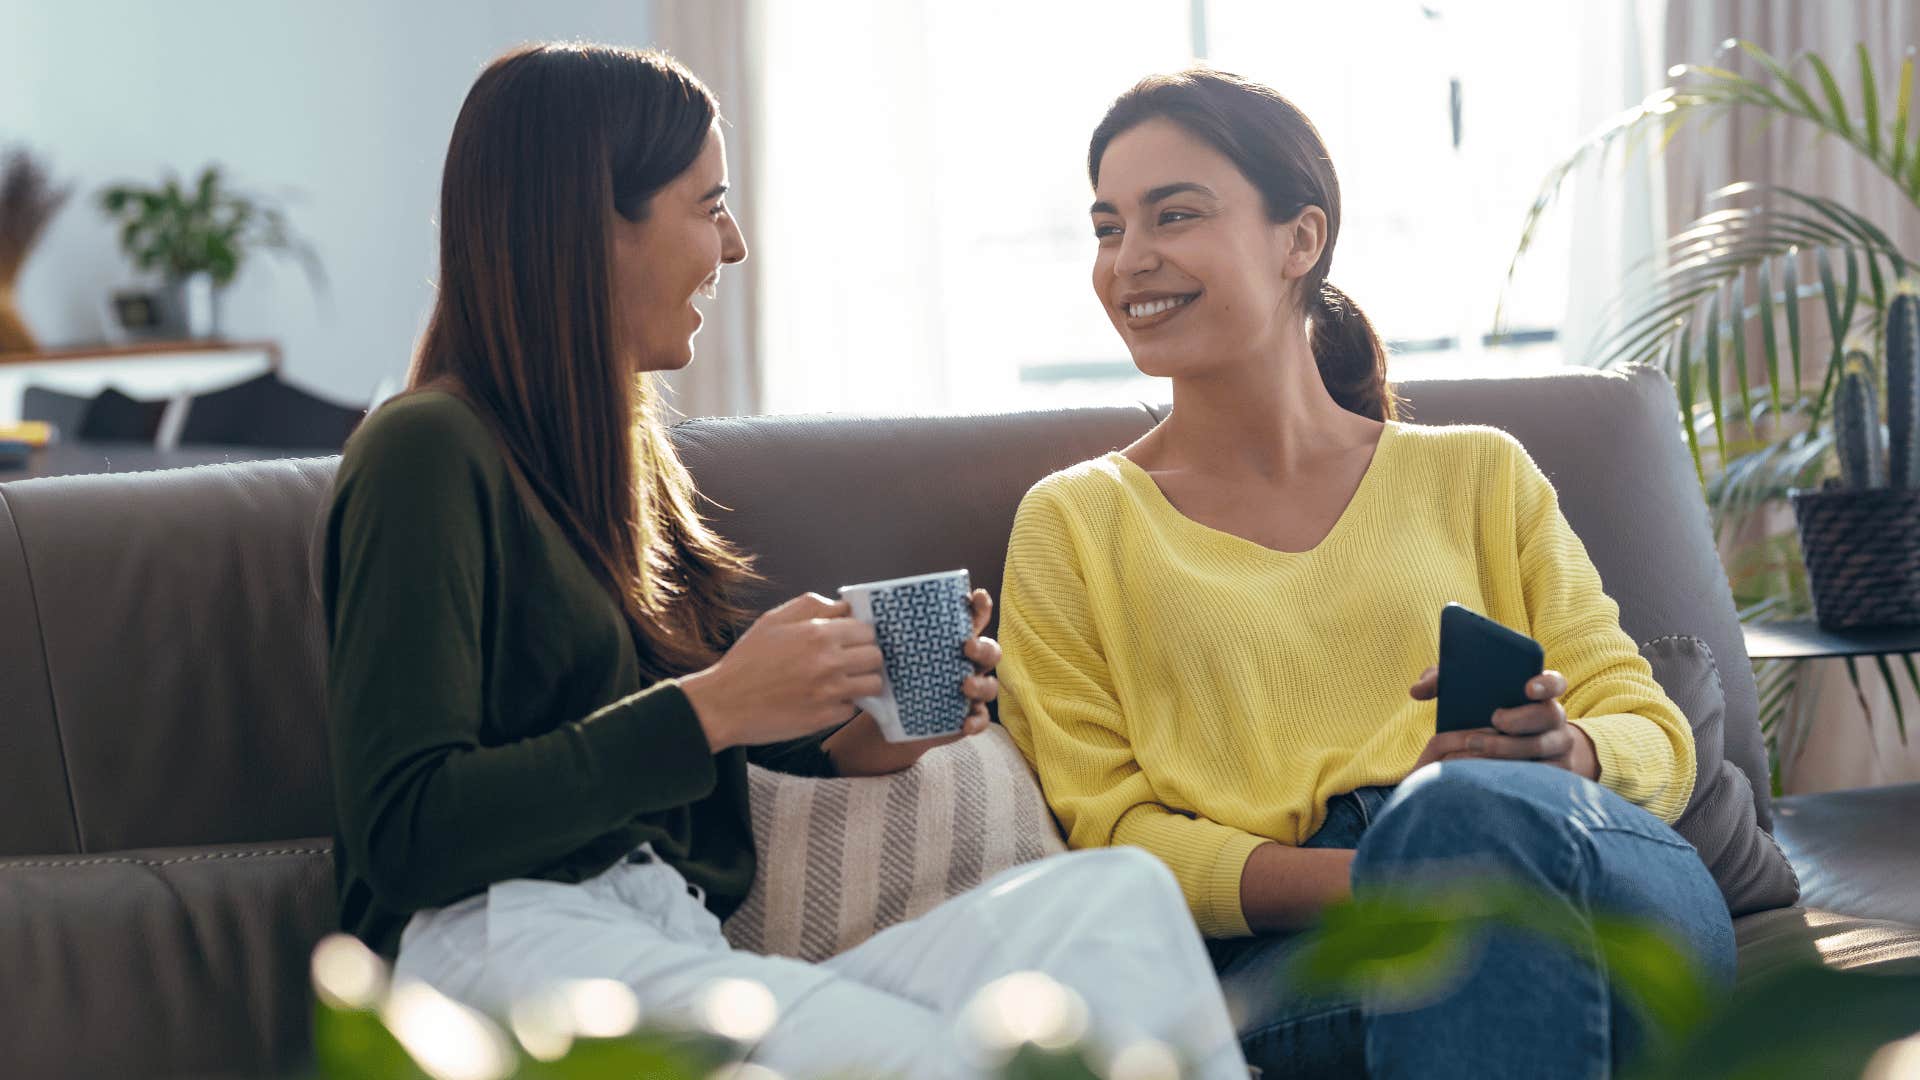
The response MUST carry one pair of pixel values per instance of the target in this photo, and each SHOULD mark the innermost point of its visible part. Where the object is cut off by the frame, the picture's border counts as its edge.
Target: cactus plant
(1873, 456)
(1856, 426)
(1900, 355)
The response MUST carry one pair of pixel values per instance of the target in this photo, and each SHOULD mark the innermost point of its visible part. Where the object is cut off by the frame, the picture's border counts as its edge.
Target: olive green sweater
(487, 713)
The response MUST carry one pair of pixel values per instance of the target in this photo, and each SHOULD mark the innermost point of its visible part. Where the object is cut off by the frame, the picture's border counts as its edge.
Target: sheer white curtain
(923, 226)
(1617, 211)
(720, 40)
(920, 228)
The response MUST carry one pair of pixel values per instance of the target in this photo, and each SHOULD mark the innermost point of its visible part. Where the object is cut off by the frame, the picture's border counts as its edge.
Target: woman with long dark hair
(1210, 632)
(543, 692)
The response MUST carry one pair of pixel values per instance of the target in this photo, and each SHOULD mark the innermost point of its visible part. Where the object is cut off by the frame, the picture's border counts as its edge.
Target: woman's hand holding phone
(1536, 731)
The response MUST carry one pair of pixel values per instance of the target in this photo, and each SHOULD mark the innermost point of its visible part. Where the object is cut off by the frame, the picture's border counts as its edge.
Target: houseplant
(28, 200)
(197, 237)
(1860, 534)
(1750, 307)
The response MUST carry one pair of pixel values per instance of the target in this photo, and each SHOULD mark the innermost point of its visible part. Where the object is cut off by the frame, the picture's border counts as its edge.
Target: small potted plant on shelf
(197, 237)
(1860, 532)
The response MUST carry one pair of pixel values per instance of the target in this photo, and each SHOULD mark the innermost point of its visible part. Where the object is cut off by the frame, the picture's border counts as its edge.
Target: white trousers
(1109, 923)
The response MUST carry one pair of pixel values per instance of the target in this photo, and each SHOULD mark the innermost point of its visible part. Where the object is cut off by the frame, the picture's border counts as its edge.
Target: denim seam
(1619, 830)
(1293, 1021)
(1590, 946)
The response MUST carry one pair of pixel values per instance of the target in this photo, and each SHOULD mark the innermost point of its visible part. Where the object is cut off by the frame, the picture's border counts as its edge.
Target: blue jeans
(1526, 1008)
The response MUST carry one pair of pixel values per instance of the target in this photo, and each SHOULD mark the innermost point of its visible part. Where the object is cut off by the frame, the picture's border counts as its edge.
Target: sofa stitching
(1782, 852)
(46, 668)
(1704, 647)
(1713, 662)
(20, 864)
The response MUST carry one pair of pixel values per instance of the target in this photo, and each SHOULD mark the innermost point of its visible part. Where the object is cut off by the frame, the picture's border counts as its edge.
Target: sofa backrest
(161, 653)
(161, 659)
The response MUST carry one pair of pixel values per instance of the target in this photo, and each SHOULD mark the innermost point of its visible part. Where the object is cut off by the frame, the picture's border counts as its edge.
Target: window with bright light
(921, 181)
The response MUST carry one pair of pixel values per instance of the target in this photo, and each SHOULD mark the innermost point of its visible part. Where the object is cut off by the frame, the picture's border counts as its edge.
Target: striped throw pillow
(843, 859)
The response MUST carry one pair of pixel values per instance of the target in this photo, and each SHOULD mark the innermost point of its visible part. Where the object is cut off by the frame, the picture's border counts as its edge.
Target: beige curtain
(1841, 749)
(719, 40)
(1743, 148)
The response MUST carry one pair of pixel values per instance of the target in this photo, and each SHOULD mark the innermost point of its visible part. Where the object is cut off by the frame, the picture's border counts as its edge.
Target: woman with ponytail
(1210, 634)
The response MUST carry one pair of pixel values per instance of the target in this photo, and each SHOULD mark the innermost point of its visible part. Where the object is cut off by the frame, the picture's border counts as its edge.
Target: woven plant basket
(1862, 550)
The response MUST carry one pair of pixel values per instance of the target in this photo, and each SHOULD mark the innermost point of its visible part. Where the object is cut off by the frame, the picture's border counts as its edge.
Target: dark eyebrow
(1168, 191)
(713, 193)
(1159, 194)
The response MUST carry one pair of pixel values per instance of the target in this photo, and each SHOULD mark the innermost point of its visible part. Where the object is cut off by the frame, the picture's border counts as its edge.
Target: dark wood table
(73, 459)
(1803, 639)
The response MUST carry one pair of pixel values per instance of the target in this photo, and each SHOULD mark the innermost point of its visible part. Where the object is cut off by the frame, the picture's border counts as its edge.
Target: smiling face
(672, 255)
(1191, 270)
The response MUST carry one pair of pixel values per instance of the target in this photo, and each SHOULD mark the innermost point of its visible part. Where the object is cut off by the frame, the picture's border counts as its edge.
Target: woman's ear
(1308, 235)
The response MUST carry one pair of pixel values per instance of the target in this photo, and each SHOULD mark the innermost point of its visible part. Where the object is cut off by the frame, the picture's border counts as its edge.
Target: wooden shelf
(129, 350)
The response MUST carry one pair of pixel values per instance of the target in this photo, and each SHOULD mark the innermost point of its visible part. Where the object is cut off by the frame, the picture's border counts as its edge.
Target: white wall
(344, 105)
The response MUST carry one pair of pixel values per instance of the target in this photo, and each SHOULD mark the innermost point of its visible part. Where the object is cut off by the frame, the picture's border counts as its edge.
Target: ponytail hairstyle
(553, 143)
(1276, 148)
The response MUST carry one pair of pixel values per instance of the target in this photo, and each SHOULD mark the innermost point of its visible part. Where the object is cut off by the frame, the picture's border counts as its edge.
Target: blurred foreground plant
(1793, 1019)
(1022, 1027)
(1797, 1019)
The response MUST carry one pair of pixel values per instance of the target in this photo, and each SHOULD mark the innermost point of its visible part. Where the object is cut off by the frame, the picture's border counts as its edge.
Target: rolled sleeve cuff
(1637, 763)
(1223, 916)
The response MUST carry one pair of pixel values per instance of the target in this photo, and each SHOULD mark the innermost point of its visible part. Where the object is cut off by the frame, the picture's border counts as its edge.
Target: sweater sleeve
(1060, 707)
(1644, 744)
(428, 812)
(805, 756)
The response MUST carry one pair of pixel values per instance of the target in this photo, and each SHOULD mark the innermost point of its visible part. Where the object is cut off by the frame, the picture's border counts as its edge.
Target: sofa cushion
(1855, 850)
(180, 652)
(1719, 822)
(162, 961)
(33, 774)
(843, 859)
(1770, 940)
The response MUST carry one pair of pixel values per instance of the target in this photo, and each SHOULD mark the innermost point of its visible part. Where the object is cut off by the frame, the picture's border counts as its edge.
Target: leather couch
(164, 794)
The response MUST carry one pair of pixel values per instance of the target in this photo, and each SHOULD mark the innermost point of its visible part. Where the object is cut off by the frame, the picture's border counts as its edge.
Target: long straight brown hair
(552, 142)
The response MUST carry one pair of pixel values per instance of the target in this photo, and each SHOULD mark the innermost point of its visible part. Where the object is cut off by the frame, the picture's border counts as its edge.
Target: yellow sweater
(1195, 694)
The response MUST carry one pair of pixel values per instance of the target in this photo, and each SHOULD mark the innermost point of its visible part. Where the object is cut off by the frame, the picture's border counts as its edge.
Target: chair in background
(63, 411)
(268, 412)
(114, 417)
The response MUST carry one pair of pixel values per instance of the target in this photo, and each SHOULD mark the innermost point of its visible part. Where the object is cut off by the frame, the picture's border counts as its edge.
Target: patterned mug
(922, 622)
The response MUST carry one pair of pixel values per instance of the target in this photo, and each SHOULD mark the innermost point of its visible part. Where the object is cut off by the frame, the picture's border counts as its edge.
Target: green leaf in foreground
(1801, 1021)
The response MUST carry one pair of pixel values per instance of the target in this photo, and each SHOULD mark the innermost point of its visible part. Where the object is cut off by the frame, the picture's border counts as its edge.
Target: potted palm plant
(197, 236)
(1753, 309)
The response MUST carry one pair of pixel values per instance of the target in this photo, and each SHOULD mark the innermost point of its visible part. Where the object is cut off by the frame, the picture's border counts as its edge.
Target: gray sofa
(164, 806)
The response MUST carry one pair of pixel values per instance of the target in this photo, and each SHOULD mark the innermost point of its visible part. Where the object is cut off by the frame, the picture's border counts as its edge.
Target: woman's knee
(1500, 811)
(1478, 790)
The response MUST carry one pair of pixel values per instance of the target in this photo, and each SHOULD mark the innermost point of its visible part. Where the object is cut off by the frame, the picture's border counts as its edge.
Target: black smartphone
(1484, 666)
